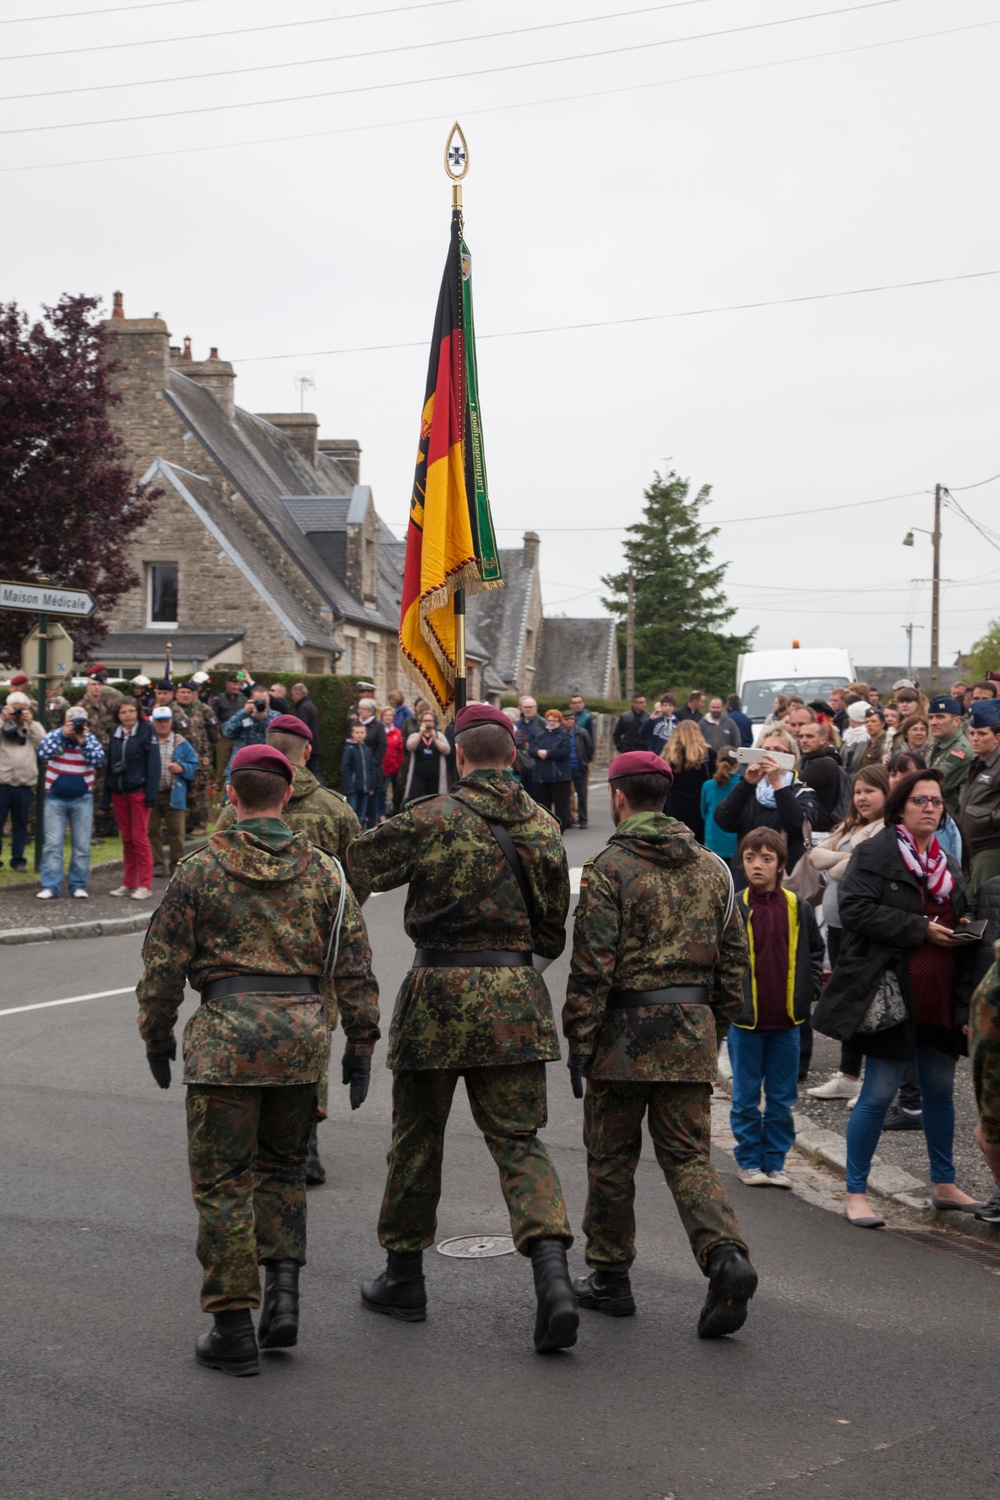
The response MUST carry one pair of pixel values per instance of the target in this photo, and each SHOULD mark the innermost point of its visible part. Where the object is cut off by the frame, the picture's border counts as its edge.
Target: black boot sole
(404, 1314)
(283, 1333)
(229, 1367)
(560, 1332)
(616, 1307)
(725, 1310)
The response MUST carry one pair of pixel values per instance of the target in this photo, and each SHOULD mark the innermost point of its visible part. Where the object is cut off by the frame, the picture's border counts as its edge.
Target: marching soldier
(488, 883)
(659, 954)
(328, 820)
(265, 927)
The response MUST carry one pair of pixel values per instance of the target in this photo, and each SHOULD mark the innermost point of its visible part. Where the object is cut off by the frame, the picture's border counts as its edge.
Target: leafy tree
(985, 654)
(680, 608)
(68, 499)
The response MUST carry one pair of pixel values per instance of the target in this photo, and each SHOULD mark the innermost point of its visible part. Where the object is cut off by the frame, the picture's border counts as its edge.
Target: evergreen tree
(680, 607)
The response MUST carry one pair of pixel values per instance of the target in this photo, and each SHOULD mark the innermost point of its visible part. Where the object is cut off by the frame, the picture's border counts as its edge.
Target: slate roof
(884, 677)
(200, 644)
(497, 617)
(251, 559)
(263, 465)
(576, 656)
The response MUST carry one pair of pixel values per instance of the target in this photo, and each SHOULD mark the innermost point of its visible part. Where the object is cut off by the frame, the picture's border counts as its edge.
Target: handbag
(805, 881)
(887, 1007)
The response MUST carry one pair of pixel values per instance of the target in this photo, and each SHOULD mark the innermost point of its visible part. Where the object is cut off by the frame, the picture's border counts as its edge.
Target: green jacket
(952, 756)
(652, 914)
(259, 899)
(463, 895)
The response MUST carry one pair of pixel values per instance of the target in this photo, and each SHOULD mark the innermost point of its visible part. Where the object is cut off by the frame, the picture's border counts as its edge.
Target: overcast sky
(621, 167)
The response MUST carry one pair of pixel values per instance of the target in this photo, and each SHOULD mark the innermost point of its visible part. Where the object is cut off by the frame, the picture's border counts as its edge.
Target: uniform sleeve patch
(958, 753)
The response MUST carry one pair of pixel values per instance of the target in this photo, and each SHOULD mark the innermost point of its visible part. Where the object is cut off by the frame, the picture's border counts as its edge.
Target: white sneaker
(837, 1087)
(44, 895)
(121, 890)
(756, 1178)
(779, 1179)
(852, 1102)
(141, 893)
(81, 895)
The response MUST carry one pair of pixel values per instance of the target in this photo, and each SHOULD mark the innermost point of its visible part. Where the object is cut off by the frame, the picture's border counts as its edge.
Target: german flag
(450, 543)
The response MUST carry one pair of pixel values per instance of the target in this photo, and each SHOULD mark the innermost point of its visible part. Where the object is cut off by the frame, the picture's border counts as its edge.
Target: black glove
(357, 1071)
(159, 1064)
(577, 1062)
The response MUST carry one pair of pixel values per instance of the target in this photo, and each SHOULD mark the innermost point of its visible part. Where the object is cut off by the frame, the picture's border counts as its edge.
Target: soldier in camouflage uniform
(163, 696)
(203, 732)
(659, 955)
(473, 1007)
(328, 820)
(984, 1055)
(250, 922)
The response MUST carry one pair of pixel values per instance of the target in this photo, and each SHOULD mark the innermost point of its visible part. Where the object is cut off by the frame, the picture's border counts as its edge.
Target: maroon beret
(290, 724)
(262, 758)
(482, 713)
(639, 763)
(21, 680)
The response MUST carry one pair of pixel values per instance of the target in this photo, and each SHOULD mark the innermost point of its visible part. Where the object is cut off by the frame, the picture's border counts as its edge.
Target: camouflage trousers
(247, 1152)
(509, 1106)
(197, 803)
(679, 1122)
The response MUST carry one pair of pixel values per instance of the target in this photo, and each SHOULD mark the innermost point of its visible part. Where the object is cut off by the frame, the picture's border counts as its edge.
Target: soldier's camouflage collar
(644, 822)
(272, 831)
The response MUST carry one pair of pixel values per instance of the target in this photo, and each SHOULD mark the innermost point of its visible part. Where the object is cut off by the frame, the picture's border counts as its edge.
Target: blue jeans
(768, 1060)
(16, 800)
(936, 1075)
(78, 812)
(364, 805)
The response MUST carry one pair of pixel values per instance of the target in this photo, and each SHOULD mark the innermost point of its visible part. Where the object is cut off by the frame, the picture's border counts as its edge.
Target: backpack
(845, 791)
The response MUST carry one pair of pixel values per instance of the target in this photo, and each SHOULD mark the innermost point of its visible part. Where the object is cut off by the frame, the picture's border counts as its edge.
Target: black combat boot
(229, 1345)
(399, 1291)
(278, 1326)
(558, 1319)
(732, 1281)
(607, 1292)
(315, 1170)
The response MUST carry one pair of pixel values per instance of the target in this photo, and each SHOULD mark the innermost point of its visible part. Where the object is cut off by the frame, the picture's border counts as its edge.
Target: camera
(17, 712)
(260, 705)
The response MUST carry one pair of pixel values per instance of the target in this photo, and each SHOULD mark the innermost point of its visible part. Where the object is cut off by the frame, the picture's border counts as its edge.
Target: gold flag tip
(456, 154)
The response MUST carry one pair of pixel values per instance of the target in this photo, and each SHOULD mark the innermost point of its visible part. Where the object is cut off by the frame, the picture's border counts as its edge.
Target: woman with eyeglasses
(902, 985)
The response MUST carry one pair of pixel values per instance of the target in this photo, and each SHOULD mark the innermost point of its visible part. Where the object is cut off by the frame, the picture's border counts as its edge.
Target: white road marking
(16, 1010)
(574, 879)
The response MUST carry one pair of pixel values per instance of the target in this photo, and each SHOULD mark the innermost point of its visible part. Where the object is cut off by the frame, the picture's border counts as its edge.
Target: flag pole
(456, 164)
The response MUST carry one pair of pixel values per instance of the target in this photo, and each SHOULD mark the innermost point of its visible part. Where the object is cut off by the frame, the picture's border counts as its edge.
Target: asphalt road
(867, 1365)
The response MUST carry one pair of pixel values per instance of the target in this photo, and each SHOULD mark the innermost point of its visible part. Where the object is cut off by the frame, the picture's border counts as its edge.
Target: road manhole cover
(477, 1246)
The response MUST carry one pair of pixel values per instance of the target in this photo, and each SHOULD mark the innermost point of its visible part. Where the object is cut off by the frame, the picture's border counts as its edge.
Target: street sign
(59, 655)
(45, 598)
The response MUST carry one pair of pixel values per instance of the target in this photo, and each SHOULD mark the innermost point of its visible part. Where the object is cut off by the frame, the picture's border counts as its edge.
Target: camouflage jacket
(258, 900)
(202, 730)
(326, 818)
(651, 914)
(984, 1050)
(463, 895)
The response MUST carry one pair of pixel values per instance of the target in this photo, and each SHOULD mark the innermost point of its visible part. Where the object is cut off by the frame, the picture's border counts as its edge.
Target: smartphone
(754, 757)
(970, 932)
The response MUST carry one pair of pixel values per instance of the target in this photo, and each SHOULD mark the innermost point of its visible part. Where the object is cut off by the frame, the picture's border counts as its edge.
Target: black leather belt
(479, 958)
(261, 984)
(677, 994)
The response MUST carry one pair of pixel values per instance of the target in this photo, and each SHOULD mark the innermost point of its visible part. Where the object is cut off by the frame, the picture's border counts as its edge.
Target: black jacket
(880, 902)
(627, 733)
(988, 906)
(307, 711)
(740, 812)
(821, 771)
(376, 741)
(808, 965)
(133, 764)
(584, 745)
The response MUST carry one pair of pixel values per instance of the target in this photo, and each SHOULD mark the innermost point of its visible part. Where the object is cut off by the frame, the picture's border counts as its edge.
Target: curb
(887, 1181)
(108, 927)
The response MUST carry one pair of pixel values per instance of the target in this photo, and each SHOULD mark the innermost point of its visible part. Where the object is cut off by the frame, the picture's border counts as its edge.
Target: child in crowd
(357, 772)
(786, 969)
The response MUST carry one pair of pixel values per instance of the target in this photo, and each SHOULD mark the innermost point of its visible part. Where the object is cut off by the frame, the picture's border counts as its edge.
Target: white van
(812, 673)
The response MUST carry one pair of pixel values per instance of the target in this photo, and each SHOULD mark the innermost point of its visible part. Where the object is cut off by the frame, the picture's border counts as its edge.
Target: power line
(544, 62)
(692, 312)
(977, 486)
(493, 109)
(201, 36)
(308, 62)
(109, 10)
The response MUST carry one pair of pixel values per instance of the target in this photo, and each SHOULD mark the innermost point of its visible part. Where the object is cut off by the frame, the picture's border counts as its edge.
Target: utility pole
(630, 639)
(936, 590)
(909, 646)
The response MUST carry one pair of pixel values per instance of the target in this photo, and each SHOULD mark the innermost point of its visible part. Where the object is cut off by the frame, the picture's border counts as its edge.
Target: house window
(162, 586)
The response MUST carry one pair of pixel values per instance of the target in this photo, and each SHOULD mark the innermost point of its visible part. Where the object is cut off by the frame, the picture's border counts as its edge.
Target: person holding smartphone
(427, 761)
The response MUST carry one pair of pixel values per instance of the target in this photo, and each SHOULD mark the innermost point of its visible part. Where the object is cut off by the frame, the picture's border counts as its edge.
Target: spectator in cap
(979, 796)
(553, 779)
(178, 769)
(20, 737)
(130, 787)
(949, 750)
(72, 755)
(231, 701)
(855, 739)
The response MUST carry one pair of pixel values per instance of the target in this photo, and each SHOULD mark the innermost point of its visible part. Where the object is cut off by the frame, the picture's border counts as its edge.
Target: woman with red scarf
(902, 971)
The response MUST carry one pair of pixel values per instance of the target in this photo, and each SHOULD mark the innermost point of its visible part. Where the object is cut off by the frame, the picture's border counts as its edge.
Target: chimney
(119, 309)
(529, 557)
(301, 426)
(346, 452)
(215, 374)
(213, 353)
(187, 348)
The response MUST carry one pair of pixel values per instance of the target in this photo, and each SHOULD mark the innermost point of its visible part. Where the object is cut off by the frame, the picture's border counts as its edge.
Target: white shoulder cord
(731, 898)
(333, 946)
